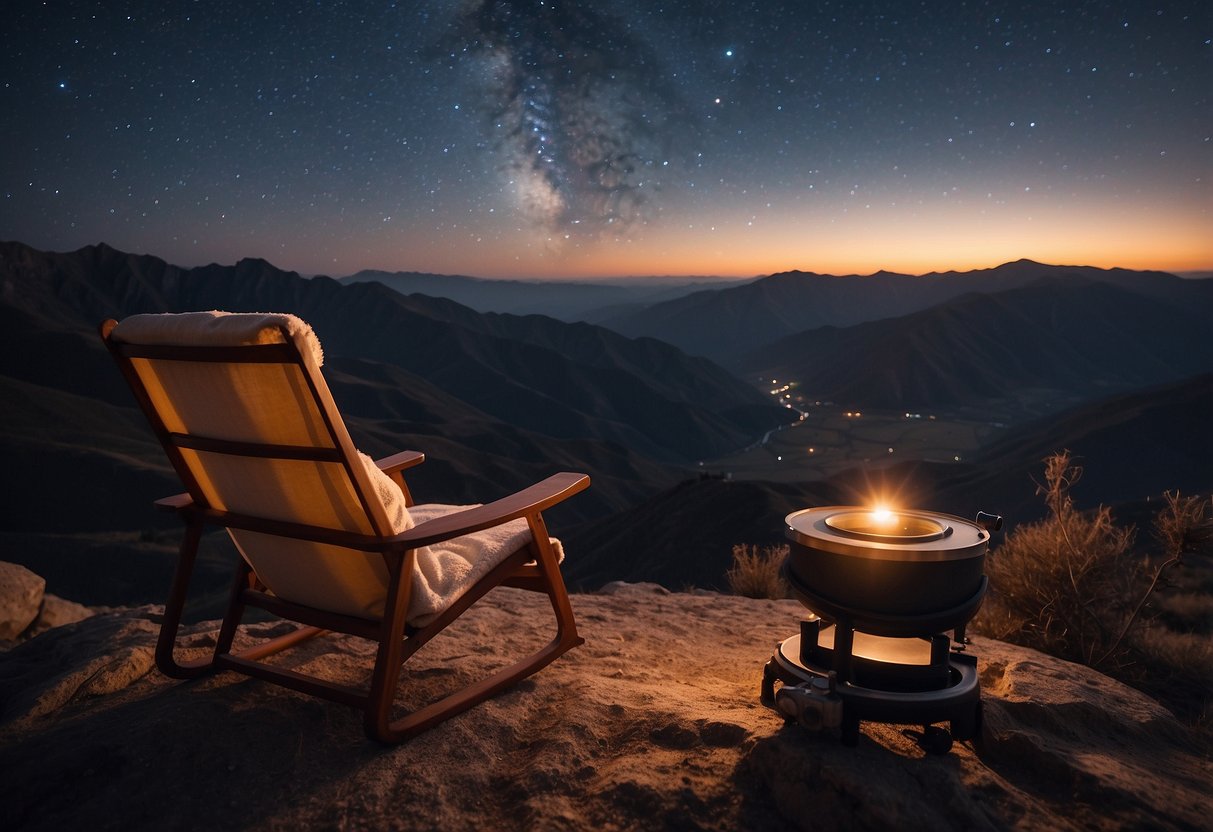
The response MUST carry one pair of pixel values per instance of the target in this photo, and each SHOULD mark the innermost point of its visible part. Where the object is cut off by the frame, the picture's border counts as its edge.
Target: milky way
(578, 108)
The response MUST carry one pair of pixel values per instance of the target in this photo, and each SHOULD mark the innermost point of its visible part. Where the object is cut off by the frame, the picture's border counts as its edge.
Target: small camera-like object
(813, 704)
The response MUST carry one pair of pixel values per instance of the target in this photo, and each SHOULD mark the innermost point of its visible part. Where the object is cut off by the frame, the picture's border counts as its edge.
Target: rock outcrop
(654, 723)
(27, 609)
(20, 599)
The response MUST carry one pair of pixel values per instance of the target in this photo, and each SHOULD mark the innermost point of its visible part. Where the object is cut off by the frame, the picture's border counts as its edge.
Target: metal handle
(989, 522)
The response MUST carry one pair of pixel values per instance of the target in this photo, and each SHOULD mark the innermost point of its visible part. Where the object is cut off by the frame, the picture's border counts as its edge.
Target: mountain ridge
(741, 319)
(565, 300)
(497, 401)
(1060, 333)
(432, 338)
(495, 404)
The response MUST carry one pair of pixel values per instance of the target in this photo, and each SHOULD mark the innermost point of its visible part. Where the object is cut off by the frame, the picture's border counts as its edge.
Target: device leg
(769, 674)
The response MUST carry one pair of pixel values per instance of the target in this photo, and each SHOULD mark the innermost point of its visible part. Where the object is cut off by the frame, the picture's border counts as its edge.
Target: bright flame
(882, 515)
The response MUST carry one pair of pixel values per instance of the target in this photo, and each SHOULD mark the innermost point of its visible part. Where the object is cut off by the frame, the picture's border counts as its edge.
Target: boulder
(21, 594)
(57, 612)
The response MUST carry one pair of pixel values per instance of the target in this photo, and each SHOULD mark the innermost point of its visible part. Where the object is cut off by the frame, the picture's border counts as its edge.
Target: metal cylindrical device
(908, 563)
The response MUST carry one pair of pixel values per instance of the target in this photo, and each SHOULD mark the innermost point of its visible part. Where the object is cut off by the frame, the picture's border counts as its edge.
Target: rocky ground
(654, 723)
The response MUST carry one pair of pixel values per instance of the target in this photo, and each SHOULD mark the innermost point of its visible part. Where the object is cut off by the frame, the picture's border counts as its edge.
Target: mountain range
(557, 380)
(1119, 359)
(1055, 340)
(739, 320)
(569, 300)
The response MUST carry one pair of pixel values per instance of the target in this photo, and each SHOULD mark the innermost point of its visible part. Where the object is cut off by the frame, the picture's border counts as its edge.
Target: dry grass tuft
(755, 571)
(1071, 586)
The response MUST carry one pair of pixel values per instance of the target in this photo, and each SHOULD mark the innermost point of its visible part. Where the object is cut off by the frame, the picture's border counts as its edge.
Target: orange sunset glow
(740, 142)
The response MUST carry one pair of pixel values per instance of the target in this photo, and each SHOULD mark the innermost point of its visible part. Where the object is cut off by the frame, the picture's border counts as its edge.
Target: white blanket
(446, 570)
(216, 329)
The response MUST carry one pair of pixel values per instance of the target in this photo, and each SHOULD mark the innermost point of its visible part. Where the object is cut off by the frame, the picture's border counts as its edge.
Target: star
(620, 125)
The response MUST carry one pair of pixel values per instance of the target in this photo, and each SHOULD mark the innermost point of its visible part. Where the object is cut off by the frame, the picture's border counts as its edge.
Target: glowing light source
(887, 524)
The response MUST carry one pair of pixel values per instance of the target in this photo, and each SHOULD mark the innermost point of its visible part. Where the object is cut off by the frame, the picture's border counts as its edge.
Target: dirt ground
(654, 723)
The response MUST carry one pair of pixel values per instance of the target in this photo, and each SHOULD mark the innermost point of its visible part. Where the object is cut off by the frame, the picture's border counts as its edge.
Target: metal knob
(989, 522)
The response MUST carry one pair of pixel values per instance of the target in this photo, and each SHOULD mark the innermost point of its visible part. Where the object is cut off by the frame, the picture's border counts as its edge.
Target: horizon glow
(567, 141)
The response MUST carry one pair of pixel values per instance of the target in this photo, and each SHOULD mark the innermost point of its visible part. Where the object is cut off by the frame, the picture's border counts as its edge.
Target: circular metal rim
(952, 546)
(940, 530)
(966, 688)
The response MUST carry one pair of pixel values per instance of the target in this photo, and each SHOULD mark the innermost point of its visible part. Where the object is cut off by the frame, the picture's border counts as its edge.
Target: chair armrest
(528, 501)
(400, 461)
(174, 503)
(394, 467)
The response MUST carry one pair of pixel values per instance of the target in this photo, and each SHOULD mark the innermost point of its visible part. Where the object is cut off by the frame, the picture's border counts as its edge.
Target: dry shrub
(1070, 586)
(1064, 585)
(755, 571)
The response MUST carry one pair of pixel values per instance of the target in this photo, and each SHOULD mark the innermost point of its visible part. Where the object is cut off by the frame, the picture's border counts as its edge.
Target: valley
(829, 439)
(826, 438)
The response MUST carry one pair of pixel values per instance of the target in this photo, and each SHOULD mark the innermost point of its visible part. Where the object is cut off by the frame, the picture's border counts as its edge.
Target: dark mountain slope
(79, 464)
(472, 456)
(646, 358)
(684, 536)
(491, 412)
(84, 468)
(1075, 337)
(76, 463)
(1134, 447)
(730, 322)
(564, 300)
(54, 351)
(527, 384)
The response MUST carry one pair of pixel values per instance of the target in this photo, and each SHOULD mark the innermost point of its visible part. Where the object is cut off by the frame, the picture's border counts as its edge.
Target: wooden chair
(326, 536)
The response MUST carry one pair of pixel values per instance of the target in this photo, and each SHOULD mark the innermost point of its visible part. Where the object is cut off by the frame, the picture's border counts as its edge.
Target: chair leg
(244, 579)
(173, 609)
(235, 608)
(167, 663)
(558, 594)
(390, 655)
(461, 700)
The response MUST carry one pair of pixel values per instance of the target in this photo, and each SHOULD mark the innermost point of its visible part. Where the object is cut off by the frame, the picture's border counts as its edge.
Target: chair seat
(444, 570)
(354, 583)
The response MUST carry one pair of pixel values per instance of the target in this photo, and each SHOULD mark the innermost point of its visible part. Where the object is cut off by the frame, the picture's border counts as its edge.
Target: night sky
(614, 137)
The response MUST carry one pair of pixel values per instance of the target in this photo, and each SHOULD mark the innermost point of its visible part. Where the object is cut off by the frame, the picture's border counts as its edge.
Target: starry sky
(558, 139)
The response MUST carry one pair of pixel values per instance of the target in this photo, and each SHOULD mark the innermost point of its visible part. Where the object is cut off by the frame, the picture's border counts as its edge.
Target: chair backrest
(245, 416)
